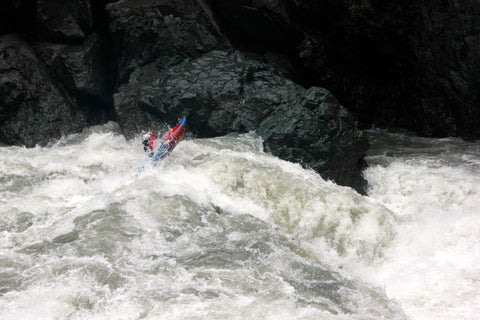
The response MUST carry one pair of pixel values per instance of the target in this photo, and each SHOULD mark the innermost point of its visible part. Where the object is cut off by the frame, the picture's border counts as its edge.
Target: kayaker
(149, 141)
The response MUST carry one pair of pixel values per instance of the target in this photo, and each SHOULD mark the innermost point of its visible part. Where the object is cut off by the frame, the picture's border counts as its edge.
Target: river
(222, 230)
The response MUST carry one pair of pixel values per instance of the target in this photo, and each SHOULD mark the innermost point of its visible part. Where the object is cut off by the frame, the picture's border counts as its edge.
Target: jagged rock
(319, 133)
(81, 68)
(64, 20)
(161, 31)
(224, 92)
(33, 108)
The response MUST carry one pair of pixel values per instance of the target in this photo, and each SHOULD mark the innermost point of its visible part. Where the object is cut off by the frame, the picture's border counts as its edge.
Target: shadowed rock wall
(395, 64)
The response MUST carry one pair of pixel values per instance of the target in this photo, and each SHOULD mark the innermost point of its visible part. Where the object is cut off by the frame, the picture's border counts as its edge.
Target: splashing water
(222, 230)
(433, 186)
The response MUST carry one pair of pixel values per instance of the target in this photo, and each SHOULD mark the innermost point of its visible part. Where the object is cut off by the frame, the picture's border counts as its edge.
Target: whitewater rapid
(223, 230)
(433, 187)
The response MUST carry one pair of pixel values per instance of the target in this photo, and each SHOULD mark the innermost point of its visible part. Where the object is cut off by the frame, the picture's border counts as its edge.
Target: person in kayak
(149, 141)
(169, 142)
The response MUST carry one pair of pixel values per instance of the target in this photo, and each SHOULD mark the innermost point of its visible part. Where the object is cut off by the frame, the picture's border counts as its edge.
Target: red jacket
(151, 141)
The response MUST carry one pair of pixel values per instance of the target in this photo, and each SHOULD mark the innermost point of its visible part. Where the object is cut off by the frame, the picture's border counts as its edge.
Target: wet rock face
(33, 109)
(318, 132)
(61, 80)
(227, 91)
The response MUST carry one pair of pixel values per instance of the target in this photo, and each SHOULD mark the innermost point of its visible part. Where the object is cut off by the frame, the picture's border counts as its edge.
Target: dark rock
(160, 31)
(319, 133)
(33, 108)
(150, 36)
(131, 110)
(84, 71)
(81, 68)
(262, 24)
(356, 49)
(225, 92)
(64, 20)
(17, 16)
(446, 48)
(395, 64)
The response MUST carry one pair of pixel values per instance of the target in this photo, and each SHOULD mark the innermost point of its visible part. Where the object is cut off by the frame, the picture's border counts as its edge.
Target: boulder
(227, 91)
(319, 133)
(161, 31)
(33, 108)
(81, 68)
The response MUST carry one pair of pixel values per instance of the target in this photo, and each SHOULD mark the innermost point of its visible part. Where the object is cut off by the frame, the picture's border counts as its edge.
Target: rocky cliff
(304, 74)
(395, 64)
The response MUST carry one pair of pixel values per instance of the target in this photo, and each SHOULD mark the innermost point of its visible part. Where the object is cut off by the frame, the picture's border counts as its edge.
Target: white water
(222, 230)
(433, 186)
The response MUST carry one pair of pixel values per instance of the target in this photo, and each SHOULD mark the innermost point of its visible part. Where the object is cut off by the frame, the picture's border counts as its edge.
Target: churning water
(222, 230)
